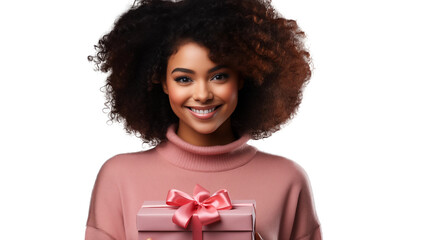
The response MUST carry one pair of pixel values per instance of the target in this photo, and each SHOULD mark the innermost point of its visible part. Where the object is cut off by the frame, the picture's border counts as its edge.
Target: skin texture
(193, 80)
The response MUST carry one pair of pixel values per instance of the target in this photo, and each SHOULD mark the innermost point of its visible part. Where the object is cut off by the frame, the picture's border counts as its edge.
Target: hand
(258, 236)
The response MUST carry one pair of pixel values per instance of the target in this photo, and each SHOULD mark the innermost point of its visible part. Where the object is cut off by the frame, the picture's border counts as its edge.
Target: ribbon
(204, 206)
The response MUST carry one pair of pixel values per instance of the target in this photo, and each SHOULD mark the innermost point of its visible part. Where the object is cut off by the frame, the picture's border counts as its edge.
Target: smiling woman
(265, 50)
(197, 79)
(202, 94)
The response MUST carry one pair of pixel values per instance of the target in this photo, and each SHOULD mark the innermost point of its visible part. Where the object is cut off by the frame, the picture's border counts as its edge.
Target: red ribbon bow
(201, 204)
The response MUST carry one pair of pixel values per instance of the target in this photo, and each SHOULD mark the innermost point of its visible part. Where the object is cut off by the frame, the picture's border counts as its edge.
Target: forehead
(190, 54)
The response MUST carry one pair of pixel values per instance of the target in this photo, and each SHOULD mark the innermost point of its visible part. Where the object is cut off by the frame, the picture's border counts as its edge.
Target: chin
(205, 129)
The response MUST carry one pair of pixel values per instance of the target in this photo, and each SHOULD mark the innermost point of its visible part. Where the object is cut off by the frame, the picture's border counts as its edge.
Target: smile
(204, 114)
(203, 111)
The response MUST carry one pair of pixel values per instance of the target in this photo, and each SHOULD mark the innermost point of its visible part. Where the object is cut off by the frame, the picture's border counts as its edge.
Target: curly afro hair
(247, 35)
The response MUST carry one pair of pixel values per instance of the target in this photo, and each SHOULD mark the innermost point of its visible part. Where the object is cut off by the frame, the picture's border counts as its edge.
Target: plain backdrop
(361, 132)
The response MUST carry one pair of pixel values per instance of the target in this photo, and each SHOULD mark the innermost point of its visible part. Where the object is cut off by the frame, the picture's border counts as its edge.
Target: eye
(220, 76)
(182, 79)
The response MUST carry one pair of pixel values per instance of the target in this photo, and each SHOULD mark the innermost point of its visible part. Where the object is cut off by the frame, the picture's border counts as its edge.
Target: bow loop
(200, 194)
(220, 200)
(202, 204)
(178, 198)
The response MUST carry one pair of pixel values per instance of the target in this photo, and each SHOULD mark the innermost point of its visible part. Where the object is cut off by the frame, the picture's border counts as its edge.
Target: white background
(361, 131)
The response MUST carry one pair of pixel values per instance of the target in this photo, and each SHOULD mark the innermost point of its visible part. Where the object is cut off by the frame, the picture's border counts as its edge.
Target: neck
(205, 158)
(222, 136)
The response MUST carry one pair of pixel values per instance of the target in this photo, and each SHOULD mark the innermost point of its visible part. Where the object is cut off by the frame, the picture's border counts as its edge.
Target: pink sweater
(284, 206)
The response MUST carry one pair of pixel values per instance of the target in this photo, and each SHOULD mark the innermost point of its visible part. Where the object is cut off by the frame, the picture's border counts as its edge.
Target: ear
(164, 86)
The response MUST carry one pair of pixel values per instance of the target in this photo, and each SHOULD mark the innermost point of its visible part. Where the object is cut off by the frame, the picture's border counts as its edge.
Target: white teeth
(203, 111)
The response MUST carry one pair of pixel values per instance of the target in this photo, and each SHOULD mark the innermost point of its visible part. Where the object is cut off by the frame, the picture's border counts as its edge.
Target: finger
(258, 236)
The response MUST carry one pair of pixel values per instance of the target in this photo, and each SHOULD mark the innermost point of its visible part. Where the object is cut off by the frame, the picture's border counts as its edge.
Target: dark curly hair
(249, 36)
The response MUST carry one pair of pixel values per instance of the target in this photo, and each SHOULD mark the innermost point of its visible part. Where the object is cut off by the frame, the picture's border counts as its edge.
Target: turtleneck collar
(205, 159)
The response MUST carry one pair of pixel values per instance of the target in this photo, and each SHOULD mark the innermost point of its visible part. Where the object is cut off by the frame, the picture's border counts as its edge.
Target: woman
(197, 79)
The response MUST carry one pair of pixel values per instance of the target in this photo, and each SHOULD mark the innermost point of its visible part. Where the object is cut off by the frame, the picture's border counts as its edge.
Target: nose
(202, 92)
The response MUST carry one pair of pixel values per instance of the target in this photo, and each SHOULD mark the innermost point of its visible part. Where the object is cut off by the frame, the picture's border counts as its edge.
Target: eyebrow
(185, 70)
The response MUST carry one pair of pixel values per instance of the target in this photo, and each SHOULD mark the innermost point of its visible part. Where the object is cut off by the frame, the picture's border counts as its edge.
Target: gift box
(154, 220)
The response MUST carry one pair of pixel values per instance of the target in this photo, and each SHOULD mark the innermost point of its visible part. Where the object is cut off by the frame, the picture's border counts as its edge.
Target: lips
(203, 113)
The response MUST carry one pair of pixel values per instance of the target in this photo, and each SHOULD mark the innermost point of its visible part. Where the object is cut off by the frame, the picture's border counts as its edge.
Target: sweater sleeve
(105, 219)
(300, 211)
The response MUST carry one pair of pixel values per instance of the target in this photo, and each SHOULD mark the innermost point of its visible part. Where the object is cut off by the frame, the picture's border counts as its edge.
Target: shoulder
(123, 162)
(281, 167)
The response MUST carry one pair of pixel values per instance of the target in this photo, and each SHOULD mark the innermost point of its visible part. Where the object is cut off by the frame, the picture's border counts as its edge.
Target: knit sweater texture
(284, 205)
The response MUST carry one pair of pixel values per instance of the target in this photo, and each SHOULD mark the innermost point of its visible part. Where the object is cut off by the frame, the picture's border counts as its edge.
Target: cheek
(229, 93)
(177, 97)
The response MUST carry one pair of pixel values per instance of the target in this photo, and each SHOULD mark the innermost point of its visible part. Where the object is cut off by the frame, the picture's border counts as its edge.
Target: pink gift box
(154, 220)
